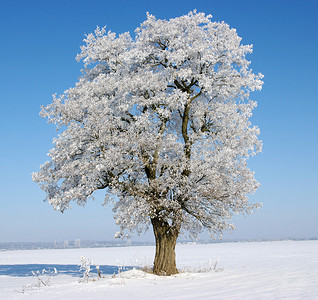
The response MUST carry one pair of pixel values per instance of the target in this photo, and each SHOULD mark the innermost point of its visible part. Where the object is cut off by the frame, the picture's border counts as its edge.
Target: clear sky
(39, 42)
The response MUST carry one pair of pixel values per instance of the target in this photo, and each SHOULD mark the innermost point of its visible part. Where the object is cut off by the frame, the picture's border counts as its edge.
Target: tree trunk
(166, 237)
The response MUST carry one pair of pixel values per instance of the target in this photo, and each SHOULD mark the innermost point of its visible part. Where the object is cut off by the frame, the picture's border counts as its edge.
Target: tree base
(165, 258)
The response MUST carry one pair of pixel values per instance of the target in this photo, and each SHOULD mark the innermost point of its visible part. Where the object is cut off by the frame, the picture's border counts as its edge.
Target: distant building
(77, 243)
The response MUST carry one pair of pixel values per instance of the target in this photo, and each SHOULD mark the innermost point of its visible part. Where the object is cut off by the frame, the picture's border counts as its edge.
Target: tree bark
(165, 258)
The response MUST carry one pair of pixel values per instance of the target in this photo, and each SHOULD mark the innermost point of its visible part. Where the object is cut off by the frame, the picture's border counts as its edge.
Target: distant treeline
(122, 243)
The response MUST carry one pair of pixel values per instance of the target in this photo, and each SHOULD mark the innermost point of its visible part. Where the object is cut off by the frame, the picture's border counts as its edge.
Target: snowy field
(255, 270)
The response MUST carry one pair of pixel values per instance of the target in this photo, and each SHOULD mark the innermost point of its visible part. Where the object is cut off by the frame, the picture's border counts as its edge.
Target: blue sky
(39, 42)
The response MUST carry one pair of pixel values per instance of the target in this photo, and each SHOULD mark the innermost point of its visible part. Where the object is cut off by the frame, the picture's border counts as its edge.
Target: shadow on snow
(73, 270)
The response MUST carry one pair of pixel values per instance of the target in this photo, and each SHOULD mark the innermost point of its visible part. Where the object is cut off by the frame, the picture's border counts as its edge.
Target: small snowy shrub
(86, 267)
(208, 266)
(44, 277)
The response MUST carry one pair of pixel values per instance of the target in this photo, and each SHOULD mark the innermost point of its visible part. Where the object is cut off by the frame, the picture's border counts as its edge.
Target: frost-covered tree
(160, 121)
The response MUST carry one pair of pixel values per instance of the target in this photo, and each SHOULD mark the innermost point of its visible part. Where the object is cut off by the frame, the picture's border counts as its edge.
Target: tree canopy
(160, 121)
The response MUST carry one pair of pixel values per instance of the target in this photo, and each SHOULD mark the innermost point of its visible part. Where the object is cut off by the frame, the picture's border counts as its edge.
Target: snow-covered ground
(254, 270)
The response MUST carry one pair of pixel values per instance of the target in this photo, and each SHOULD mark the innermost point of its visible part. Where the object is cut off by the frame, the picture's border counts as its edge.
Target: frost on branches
(161, 122)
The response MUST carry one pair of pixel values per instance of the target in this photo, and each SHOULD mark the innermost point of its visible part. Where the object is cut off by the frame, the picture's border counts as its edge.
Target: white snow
(254, 270)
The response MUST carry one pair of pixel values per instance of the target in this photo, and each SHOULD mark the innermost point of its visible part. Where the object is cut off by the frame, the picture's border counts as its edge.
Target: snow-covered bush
(85, 266)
